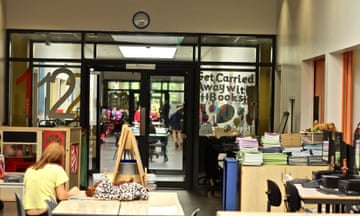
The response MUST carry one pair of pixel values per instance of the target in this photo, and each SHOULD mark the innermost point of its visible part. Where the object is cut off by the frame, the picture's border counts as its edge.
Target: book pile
(254, 158)
(275, 159)
(299, 158)
(246, 144)
(271, 142)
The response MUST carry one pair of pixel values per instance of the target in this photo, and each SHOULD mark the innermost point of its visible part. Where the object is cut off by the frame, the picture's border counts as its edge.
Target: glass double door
(153, 104)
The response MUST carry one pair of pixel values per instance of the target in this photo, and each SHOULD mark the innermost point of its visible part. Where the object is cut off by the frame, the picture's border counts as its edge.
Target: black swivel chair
(19, 206)
(293, 200)
(274, 195)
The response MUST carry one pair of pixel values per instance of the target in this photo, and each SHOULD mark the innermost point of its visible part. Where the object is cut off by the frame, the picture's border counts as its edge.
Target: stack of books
(254, 158)
(246, 144)
(275, 159)
(271, 142)
(299, 158)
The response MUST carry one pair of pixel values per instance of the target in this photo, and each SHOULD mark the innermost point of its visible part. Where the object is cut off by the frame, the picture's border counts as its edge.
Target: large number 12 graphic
(50, 78)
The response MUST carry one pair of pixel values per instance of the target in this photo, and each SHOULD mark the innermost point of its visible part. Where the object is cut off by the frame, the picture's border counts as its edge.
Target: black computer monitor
(327, 146)
(356, 148)
(339, 149)
(350, 158)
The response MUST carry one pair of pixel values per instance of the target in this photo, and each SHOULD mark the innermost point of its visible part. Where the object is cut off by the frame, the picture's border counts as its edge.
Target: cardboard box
(291, 140)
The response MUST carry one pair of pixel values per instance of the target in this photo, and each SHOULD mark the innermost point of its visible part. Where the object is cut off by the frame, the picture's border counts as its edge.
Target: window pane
(57, 50)
(227, 100)
(176, 86)
(46, 44)
(57, 93)
(228, 54)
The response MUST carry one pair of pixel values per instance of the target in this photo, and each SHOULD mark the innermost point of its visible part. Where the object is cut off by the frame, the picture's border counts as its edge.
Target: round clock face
(141, 20)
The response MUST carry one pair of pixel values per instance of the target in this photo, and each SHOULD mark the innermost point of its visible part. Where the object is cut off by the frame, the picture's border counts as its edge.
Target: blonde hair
(54, 153)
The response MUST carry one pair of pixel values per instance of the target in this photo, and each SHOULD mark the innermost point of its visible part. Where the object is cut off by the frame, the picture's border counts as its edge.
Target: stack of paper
(275, 158)
(317, 161)
(315, 149)
(271, 142)
(247, 143)
(297, 160)
(292, 149)
(254, 158)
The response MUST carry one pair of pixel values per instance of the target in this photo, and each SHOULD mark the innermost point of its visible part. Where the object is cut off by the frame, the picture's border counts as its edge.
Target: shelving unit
(20, 147)
(23, 146)
(253, 183)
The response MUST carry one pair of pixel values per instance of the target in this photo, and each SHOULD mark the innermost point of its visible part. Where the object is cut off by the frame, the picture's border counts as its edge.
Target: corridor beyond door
(129, 98)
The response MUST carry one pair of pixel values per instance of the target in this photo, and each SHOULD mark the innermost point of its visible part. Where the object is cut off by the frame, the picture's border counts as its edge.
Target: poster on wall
(74, 158)
(74, 173)
(228, 100)
(50, 136)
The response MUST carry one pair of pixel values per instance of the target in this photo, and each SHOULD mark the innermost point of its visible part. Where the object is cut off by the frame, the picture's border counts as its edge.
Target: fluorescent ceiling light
(148, 39)
(147, 51)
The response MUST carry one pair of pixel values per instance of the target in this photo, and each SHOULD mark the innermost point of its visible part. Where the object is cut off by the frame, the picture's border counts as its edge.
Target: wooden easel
(127, 143)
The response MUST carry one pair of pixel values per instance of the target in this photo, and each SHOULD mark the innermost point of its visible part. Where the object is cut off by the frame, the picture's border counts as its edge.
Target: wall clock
(141, 19)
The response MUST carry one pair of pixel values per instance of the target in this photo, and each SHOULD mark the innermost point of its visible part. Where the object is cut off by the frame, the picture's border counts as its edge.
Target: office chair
(19, 206)
(283, 122)
(195, 212)
(292, 200)
(50, 204)
(274, 195)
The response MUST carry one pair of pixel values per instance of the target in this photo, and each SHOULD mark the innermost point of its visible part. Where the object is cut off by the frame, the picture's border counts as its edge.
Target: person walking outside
(175, 123)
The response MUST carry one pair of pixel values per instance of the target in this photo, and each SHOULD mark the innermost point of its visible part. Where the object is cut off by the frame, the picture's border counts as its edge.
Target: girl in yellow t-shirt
(45, 180)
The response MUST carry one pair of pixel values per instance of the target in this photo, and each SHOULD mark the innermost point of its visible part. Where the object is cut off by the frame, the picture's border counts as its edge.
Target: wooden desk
(312, 195)
(159, 203)
(238, 213)
(87, 207)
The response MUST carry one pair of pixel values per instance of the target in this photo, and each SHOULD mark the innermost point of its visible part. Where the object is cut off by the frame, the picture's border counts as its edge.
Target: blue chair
(19, 206)
(50, 204)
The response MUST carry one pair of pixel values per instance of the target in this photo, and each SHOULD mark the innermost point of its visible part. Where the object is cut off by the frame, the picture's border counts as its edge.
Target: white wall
(2, 62)
(228, 16)
(309, 29)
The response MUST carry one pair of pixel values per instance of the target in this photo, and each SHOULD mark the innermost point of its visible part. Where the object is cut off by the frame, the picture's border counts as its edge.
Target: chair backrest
(293, 200)
(274, 194)
(284, 119)
(50, 204)
(19, 206)
(195, 212)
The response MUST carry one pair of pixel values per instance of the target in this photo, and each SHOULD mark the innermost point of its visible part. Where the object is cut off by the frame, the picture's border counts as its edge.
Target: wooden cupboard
(253, 183)
(22, 146)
